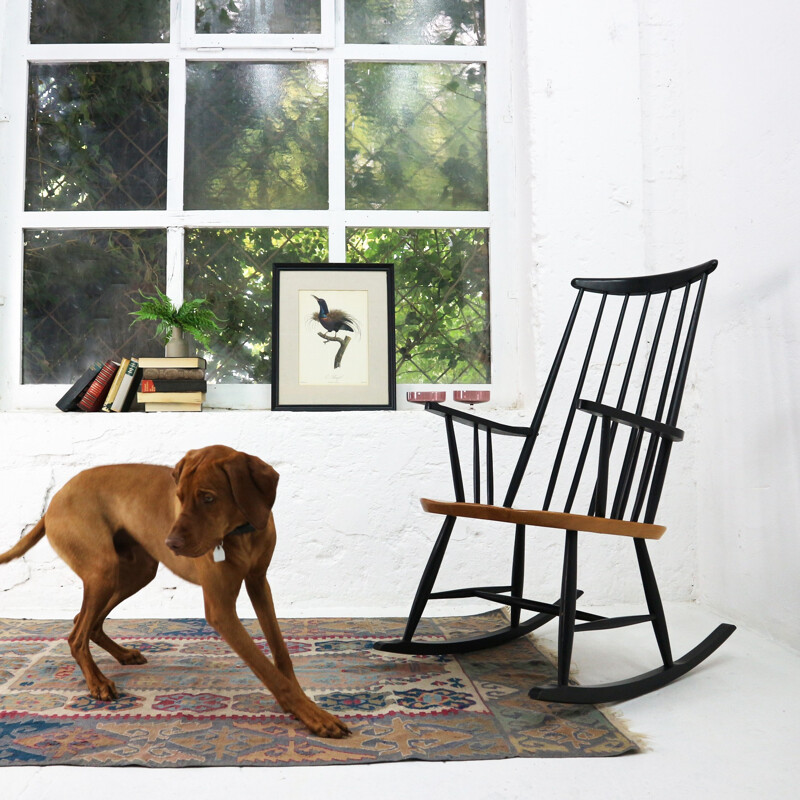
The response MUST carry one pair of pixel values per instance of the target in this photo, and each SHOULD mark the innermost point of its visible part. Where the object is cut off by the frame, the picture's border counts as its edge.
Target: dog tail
(25, 543)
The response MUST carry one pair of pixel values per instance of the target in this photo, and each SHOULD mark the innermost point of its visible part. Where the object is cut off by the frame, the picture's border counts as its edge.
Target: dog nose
(175, 543)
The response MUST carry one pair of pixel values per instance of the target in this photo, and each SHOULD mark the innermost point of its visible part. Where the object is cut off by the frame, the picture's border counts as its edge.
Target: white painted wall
(742, 109)
(656, 135)
(716, 109)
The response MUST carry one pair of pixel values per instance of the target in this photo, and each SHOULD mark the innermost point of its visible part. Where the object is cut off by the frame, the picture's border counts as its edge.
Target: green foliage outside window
(448, 22)
(441, 299)
(415, 136)
(91, 21)
(79, 288)
(81, 285)
(256, 16)
(97, 136)
(232, 268)
(256, 135)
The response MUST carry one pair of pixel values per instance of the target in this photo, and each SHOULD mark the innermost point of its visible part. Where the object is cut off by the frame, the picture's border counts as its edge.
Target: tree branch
(332, 337)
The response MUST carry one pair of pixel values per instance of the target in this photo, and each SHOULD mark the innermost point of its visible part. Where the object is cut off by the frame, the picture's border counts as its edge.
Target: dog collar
(245, 528)
(219, 550)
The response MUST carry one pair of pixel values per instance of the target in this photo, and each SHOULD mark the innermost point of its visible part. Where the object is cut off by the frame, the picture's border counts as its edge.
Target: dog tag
(219, 552)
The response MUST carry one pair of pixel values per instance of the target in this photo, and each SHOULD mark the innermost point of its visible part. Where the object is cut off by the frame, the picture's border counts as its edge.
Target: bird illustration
(332, 320)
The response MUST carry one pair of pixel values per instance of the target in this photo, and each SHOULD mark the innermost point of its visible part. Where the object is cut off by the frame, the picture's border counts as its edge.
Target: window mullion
(176, 143)
(176, 125)
(336, 170)
(175, 164)
(175, 262)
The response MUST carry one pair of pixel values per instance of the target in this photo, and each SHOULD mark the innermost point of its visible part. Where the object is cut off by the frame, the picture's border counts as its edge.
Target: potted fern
(194, 317)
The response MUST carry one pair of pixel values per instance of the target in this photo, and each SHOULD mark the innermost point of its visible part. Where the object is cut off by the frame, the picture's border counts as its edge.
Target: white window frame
(504, 277)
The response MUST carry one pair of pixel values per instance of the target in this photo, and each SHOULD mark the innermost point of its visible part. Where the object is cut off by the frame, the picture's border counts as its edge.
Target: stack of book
(158, 384)
(172, 384)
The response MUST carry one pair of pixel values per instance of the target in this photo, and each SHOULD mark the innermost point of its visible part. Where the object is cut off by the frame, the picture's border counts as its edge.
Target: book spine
(131, 404)
(158, 385)
(115, 384)
(170, 397)
(174, 373)
(97, 391)
(125, 387)
(173, 362)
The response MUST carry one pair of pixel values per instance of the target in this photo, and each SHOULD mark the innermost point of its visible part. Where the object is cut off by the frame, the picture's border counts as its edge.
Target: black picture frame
(315, 306)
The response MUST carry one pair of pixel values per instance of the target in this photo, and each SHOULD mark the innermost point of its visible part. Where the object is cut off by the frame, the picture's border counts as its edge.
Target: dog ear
(176, 472)
(254, 484)
(191, 456)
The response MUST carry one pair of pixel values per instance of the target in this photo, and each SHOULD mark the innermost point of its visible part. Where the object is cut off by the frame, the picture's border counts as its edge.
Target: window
(191, 145)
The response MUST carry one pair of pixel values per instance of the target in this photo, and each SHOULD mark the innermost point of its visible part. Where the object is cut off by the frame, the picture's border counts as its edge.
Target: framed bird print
(333, 337)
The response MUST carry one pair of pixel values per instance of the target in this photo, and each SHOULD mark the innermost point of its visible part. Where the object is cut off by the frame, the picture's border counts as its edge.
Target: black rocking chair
(633, 349)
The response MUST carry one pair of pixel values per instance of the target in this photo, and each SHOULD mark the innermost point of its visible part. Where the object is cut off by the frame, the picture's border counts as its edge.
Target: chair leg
(518, 571)
(569, 596)
(428, 578)
(654, 604)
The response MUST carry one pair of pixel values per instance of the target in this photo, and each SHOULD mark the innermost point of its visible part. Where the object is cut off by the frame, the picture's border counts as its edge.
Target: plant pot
(178, 345)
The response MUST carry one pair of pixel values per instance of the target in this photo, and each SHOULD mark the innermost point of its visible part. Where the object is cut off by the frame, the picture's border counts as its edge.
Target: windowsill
(256, 397)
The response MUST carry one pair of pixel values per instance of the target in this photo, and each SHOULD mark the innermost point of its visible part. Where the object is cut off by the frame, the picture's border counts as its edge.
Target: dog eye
(209, 498)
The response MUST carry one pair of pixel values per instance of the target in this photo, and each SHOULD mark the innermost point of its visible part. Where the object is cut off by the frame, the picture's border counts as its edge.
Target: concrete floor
(730, 729)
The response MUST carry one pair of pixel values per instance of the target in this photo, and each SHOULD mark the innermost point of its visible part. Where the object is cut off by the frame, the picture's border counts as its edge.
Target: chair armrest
(473, 419)
(669, 432)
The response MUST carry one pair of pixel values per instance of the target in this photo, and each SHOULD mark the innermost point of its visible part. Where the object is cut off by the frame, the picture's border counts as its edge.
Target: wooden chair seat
(545, 519)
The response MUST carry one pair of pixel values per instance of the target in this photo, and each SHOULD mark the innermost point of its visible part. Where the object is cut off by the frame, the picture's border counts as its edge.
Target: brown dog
(113, 525)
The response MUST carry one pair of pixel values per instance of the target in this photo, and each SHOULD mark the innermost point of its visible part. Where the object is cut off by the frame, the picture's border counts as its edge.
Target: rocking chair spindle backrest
(627, 345)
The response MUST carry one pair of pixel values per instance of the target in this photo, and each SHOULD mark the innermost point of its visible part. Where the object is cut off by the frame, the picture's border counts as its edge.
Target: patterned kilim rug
(197, 704)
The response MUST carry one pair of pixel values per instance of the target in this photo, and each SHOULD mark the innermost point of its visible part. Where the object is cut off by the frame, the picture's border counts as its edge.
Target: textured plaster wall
(647, 133)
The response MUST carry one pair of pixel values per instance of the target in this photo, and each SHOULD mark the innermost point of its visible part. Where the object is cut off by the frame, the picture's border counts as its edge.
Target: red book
(93, 399)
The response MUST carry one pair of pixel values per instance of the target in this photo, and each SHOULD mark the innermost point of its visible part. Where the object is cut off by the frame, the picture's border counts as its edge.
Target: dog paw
(321, 723)
(131, 656)
(104, 690)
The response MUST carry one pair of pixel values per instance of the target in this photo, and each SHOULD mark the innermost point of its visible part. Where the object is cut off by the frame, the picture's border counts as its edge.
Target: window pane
(78, 290)
(441, 299)
(64, 21)
(97, 136)
(233, 270)
(257, 16)
(416, 136)
(256, 135)
(458, 22)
